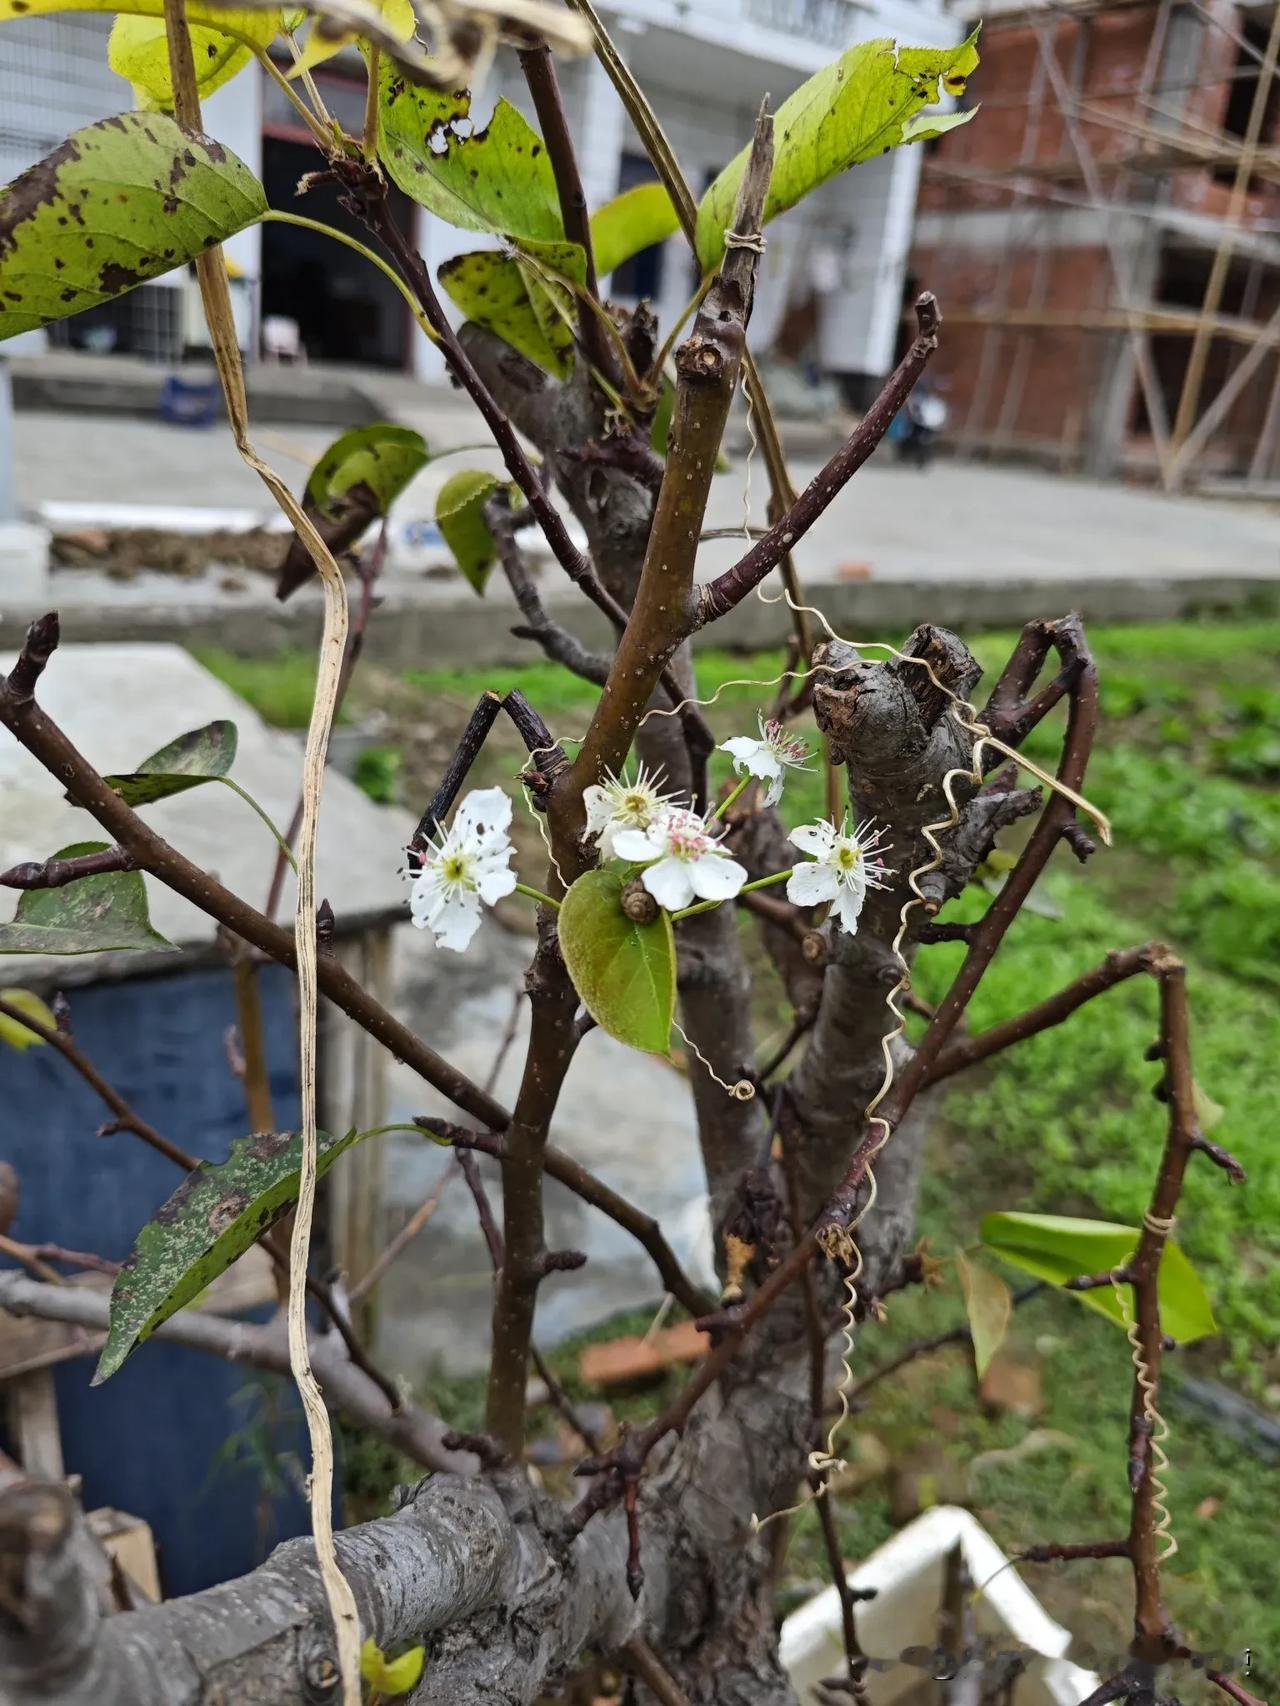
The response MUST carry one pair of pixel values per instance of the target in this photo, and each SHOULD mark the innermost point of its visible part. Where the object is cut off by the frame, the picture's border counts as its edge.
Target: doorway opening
(346, 310)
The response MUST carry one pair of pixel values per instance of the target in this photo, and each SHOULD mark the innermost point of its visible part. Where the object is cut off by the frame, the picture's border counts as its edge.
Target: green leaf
(862, 105)
(391, 1676)
(90, 916)
(632, 221)
(16, 1035)
(202, 755)
(212, 1218)
(358, 478)
(116, 204)
(519, 297)
(497, 178)
(138, 51)
(625, 972)
(460, 518)
(1059, 1248)
(383, 456)
(989, 1306)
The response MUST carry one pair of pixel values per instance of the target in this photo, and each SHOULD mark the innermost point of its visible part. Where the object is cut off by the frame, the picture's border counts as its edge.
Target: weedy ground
(1188, 768)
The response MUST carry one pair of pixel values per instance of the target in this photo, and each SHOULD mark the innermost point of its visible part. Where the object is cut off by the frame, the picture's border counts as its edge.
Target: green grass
(1188, 768)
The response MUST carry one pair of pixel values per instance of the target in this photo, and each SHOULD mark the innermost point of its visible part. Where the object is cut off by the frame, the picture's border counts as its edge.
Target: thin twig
(56, 873)
(46, 742)
(731, 587)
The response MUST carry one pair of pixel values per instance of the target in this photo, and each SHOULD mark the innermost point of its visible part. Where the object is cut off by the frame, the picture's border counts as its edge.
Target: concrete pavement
(958, 543)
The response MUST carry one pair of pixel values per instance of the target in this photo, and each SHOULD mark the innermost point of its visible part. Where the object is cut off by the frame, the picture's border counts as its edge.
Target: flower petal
(815, 838)
(715, 877)
(483, 811)
(670, 884)
(810, 884)
(457, 923)
(493, 883)
(599, 808)
(636, 845)
(847, 907)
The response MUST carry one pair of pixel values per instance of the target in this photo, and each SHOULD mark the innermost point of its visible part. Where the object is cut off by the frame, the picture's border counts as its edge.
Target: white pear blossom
(616, 805)
(770, 757)
(845, 864)
(467, 864)
(683, 861)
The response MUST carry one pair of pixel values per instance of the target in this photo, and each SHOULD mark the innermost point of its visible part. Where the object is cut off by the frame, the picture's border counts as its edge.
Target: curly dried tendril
(823, 1461)
(1159, 1428)
(741, 1091)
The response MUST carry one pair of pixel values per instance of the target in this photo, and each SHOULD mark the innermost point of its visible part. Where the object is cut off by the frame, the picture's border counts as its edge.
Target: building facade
(831, 286)
(1109, 237)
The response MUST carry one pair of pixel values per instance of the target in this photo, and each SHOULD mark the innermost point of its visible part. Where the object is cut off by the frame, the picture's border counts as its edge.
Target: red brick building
(1104, 239)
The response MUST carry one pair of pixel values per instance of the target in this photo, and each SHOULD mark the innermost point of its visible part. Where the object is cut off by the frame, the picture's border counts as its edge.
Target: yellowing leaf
(138, 51)
(247, 23)
(520, 298)
(988, 1304)
(868, 101)
(15, 1034)
(632, 221)
(1208, 1112)
(323, 44)
(391, 1676)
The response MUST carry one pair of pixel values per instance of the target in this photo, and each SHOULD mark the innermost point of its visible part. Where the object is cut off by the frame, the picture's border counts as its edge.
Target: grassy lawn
(1187, 767)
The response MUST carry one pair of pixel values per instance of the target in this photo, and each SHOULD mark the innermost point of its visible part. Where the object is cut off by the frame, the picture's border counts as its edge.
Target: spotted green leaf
(496, 178)
(988, 1304)
(521, 297)
(625, 972)
(212, 1218)
(13, 1033)
(1059, 1248)
(460, 518)
(202, 755)
(139, 52)
(632, 221)
(866, 102)
(116, 204)
(89, 916)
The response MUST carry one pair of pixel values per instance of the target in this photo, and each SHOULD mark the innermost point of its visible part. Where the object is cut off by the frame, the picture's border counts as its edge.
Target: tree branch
(1119, 965)
(707, 368)
(539, 67)
(46, 742)
(57, 873)
(593, 1191)
(557, 642)
(411, 1430)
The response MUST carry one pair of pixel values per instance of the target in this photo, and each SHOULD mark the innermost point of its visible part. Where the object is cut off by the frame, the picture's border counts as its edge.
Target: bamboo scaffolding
(1183, 142)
